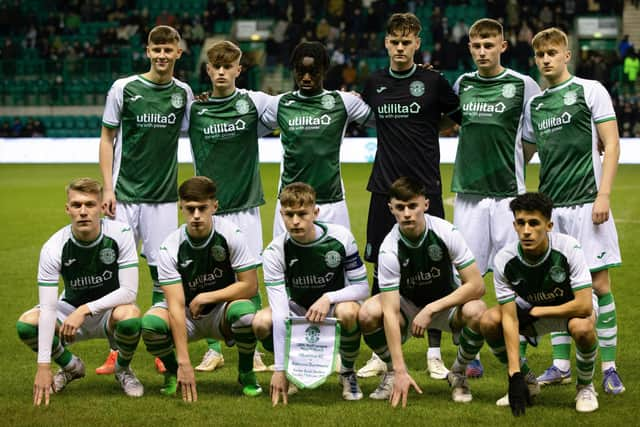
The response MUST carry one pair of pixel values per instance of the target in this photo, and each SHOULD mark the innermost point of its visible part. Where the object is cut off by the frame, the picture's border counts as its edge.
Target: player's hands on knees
(43, 384)
(187, 383)
(421, 322)
(72, 323)
(600, 211)
(279, 386)
(402, 383)
(109, 203)
(318, 310)
(519, 396)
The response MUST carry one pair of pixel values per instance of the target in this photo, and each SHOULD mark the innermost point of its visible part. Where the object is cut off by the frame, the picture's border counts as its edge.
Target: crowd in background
(352, 31)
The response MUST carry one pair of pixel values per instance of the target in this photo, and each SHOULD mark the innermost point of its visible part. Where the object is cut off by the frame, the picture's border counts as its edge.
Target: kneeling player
(208, 275)
(542, 284)
(418, 290)
(99, 266)
(293, 262)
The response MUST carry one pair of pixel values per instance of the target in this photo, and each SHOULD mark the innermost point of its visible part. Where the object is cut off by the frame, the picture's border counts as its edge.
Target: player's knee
(240, 313)
(582, 331)
(473, 311)
(347, 314)
(262, 324)
(125, 312)
(153, 325)
(30, 316)
(369, 318)
(601, 283)
(490, 322)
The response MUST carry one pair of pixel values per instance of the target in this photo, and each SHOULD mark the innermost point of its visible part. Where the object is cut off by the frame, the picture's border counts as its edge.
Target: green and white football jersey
(549, 282)
(327, 264)
(562, 121)
(224, 141)
(204, 266)
(423, 271)
(149, 118)
(89, 270)
(490, 160)
(311, 131)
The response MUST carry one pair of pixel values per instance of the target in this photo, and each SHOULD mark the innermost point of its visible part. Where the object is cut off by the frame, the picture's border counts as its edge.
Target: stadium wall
(354, 150)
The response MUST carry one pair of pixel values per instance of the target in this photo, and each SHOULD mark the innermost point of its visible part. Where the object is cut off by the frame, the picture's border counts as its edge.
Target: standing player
(224, 131)
(98, 263)
(312, 270)
(141, 125)
(418, 290)
(567, 122)
(489, 166)
(208, 275)
(312, 124)
(409, 103)
(542, 284)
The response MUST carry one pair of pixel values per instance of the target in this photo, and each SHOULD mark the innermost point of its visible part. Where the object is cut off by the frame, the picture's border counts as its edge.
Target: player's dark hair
(532, 202)
(297, 194)
(315, 50)
(223, 52)
(406, 188)
(163, 34)
(404, 24)
(85, 185)
(197, 188)
(486, 27)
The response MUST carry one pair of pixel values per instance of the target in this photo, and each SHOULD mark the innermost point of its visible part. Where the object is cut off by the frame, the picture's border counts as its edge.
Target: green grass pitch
(33, 209)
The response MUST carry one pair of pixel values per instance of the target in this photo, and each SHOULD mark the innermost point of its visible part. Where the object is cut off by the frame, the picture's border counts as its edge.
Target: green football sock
(607, 328)
(157, 337)
(377, 341)
(585, 364)
(470, 344)
(214, 344)
(28, 334)
(240, 315)
(157, 294)
(349, 347)
(127, 336)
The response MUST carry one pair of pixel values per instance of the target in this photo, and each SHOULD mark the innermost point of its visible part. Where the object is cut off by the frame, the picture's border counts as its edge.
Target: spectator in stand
(631, 68)
(624, 46)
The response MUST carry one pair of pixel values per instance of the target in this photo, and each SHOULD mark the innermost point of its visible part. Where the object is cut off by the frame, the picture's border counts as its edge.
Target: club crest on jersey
(416, 88)
(107, 256)
(242, 106)
(509, 90)
(328, 102)
(570, 98)
(557, 274)
(177, 100)
(435, 252)
(332, 259)
(312, 334)
(218, 253)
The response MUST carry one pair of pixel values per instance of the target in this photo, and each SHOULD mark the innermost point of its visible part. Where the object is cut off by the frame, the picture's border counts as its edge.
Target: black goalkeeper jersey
(408, 108)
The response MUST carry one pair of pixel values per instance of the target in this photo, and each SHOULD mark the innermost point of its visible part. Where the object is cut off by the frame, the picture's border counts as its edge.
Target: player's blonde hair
(553, 36)
(85, 185)
(297, 194)
(223, 52)
(486, 27)
(163, 34)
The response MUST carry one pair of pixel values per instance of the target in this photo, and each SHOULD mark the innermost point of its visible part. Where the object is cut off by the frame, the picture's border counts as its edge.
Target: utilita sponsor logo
(90, 281)
(219, 128)
(483, 107)
(386, 109)
(310, 121)
(149, 119)
(311, 280)
(553, 122)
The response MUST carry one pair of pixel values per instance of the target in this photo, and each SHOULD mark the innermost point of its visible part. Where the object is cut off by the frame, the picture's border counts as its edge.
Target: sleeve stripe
(170, 282)
(122, 267)
(506, 300)
(109, 125)
(48, 284)
(278, 283)
(390, 288)
(357, 279)
(583, 286)
(247, 268)
(466, 264)
(605, 119)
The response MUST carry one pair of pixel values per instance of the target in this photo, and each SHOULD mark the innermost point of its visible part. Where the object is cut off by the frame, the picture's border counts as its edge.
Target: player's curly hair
(197, 188)
(532, 202)
(315, 50)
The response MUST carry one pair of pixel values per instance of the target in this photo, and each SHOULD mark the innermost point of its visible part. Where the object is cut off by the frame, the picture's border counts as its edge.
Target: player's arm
(390, 301)
(472, 288)
(245, 287)
(355, 289)
(43, 382)
(174, 295)
(608, 135)
(510, 329)
(279, 303)
(107, 136)
(580, 306)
